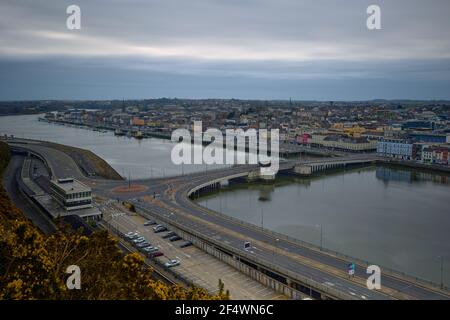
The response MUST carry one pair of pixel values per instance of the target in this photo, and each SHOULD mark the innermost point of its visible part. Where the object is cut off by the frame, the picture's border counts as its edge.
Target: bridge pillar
(303, 170)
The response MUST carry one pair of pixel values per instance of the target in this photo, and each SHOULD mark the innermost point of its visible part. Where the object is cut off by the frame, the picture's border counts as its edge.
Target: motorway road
(30, 211)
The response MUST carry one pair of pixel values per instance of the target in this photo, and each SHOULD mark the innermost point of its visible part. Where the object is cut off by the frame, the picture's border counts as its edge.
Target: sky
(247, 49)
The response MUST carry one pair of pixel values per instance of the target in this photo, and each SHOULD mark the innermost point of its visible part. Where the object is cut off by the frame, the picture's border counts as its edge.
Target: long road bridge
(285, 264)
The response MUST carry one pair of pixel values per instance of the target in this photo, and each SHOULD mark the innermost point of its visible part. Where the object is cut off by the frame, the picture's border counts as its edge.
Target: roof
(70, 185)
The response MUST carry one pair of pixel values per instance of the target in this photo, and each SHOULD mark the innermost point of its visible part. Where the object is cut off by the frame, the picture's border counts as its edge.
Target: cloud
(257, 39)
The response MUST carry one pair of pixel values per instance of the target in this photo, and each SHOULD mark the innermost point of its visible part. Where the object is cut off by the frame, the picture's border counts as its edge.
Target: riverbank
(89, 163)
(415, 165)
(286, 150)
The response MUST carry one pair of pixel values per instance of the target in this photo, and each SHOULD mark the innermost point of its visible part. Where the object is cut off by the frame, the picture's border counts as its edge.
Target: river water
(392, 217)
(128, 156)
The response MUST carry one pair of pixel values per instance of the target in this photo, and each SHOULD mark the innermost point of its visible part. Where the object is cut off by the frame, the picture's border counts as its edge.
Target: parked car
(140, 239)
(169, 234)
(149, 223)
(159, 228)
(185, 244)
(151, 249)
(155, 254)
(172, 263)
(143, 244)
(131, 235)
(175, 238)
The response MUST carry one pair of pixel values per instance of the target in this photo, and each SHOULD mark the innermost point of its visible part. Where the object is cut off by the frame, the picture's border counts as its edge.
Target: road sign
(351, 269)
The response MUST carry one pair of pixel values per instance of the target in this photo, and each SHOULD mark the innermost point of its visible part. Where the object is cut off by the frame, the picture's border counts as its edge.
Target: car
(175, 238)
(140, 239)
(172, 263)
(185, 244)
(169, 234)
(155, 254)
(131, 235)
(149, 223)
(159, 228)
(151, 249)
(143, 244)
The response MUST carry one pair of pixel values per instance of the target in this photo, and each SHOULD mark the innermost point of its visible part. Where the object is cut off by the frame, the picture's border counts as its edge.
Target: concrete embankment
(88, 162)
(416, 165)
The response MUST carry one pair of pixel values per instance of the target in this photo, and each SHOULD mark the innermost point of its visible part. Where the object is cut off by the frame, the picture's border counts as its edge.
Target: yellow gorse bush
(32, 265)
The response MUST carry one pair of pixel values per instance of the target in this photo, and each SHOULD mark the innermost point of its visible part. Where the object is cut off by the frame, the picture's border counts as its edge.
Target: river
(130, 157)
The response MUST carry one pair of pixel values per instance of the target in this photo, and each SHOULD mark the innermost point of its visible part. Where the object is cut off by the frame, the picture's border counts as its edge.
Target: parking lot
(196, 266)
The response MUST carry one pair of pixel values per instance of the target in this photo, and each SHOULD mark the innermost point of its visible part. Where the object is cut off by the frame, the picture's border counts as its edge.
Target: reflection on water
(388, 174)
(395, 218)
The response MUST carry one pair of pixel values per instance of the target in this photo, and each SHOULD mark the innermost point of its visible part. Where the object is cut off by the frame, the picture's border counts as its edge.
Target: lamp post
(262, 219)
(321, 235)
(274, 249)
(442, 271)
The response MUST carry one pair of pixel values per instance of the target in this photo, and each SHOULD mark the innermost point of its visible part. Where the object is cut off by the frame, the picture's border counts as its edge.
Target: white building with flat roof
(71, 194)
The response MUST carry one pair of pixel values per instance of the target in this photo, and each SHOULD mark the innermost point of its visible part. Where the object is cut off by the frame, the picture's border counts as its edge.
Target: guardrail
(324, 289)
(342, 256)
(126, 245)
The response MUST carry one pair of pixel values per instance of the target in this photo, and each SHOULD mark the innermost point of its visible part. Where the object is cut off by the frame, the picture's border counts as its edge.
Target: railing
(328, 291)
(347, 258)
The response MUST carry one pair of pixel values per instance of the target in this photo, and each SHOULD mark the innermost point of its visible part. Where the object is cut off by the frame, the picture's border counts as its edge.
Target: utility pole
(442, 271)
(129, 180)
(321, 235)
(262, 218)
(274, 249)
(321, 238)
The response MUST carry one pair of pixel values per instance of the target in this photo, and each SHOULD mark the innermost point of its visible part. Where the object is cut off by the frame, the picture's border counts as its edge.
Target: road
(22, 202)
(196, 266)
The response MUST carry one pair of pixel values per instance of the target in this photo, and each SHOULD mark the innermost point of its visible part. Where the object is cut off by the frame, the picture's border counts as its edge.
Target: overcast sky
(256, 49)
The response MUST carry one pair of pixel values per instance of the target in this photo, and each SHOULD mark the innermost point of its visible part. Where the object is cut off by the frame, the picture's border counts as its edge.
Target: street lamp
(321, 236)
(262, 219)
(442, 271)
(274, 249)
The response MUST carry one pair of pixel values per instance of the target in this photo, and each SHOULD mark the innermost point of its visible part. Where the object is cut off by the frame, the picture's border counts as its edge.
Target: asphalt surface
(309, 262)
(29, 210)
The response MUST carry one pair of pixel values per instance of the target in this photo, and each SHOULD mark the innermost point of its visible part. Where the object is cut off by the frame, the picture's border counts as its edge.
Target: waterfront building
(71, 194)
(395, 148)
(341, 142)
(435, 155)
(430, 137)
(419, 125)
